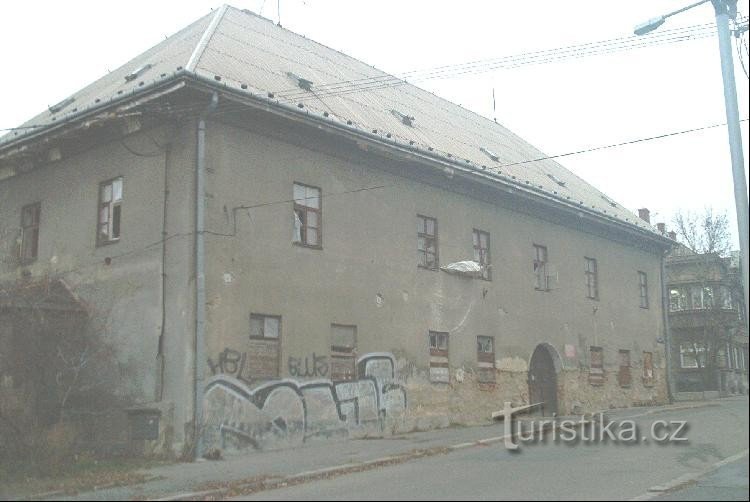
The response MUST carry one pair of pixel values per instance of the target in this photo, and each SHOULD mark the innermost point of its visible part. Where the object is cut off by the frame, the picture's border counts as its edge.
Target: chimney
(672, 235)
(662, 228)
(645, 215)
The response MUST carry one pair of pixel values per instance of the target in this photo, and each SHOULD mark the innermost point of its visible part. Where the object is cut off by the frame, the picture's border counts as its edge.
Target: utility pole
(723, 10)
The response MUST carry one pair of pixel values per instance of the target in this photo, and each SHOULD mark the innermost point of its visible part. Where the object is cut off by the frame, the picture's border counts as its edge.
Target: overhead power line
(508, 62)
(372, 83)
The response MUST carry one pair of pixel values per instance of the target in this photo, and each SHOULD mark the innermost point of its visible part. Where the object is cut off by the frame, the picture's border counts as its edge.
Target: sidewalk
(315, 459)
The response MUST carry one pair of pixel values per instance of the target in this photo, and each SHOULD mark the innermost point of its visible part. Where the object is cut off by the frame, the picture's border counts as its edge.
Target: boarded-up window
(308, 216)
(263, 354)
(482, 252)
(648, 368)
(110, 211)
(343, 352)
(439, 371)
(643, 286)
(541, 279)
(30, 216)
(596, 367)
(486, 359)
(591, 274)
(623, 376)
(427, 242)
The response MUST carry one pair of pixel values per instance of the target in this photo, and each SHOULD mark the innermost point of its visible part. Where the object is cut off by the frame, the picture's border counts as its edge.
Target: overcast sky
(51, 49)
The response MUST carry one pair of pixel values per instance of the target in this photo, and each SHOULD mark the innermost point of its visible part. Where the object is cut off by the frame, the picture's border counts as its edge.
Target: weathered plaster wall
(366, 275)
(124, 296)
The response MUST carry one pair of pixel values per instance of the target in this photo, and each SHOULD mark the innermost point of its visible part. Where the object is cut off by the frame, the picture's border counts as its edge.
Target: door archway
(543, 380)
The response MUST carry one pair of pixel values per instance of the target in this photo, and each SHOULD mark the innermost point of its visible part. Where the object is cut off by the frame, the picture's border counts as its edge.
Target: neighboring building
(709, 335)
(310, 259)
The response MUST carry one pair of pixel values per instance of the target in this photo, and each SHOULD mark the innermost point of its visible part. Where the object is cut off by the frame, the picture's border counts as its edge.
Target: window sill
(308, 246)
(100, 244)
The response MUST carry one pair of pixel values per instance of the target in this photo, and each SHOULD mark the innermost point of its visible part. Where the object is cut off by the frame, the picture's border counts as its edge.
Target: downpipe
(200, 278)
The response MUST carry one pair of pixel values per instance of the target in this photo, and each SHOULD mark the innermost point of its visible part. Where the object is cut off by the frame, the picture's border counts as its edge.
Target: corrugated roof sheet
(244, 49)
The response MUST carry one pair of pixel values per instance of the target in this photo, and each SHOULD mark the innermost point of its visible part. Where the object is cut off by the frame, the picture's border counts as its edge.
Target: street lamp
(723, 9)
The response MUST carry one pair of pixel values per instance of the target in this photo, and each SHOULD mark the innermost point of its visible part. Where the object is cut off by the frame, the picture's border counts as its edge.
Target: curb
(686, 479)
(294, 479)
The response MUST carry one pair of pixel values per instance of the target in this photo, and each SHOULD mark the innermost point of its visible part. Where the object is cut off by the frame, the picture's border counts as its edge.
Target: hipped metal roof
(248, 53)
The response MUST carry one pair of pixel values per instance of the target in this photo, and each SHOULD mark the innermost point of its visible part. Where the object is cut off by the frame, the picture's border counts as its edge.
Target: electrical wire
(373, 83)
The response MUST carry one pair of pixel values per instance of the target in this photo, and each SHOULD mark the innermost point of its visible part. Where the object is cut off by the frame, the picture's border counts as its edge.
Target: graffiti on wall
(308, 367)
(287, 412)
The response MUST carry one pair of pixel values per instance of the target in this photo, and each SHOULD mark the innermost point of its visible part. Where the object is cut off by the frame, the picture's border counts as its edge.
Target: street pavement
(549, 471)
(729, 482)
(457, 463)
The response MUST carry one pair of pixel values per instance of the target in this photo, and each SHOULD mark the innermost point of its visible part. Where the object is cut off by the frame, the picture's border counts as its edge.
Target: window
(696, 297)
(596, 367)
(262, 358)
(541, 279)
(264, 326)
(725, 298)
(427, 242)
(307, 216)
(439, 357)
(592, 278)
(486, 359)
(708, 297)
(30, 232)
(643, 285)
(648, 368)
(623, 376)
(110, 210)
(678, 299)
(692, 355)
(343, 352)
(482, 252)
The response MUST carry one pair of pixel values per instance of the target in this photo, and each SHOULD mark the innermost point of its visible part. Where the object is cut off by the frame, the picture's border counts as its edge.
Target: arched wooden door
(543, 381)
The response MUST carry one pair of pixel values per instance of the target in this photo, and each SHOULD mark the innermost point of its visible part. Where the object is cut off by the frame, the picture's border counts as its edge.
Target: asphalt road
(727, 483)
(608, 470)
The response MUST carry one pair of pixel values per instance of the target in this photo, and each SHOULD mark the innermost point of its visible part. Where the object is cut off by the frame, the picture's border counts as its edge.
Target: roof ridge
(206, 38)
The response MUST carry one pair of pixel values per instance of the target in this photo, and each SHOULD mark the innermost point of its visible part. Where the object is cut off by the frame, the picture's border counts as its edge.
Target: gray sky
(51, 49)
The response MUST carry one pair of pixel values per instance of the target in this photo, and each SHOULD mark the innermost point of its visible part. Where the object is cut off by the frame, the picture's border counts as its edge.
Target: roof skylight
(137, 72)
(62, 104)
(302, 83)
(489, 153)
(556, 180)
(405, 119)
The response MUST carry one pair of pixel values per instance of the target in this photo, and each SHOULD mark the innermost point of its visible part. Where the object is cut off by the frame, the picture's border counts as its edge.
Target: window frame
(648, 380)
(592, 278)
(596, 378)
(624, 375)
(255, 315)
(437, 351)
(343, 352)
(276, 341)
(484, 359)
(544, 267)
(483, 253)
(112, 205)
(34, 227)
(423, 253)
(643, 290)
(305, 210)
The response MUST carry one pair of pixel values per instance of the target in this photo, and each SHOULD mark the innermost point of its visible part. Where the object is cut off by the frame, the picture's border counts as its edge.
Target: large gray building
(304, 245)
